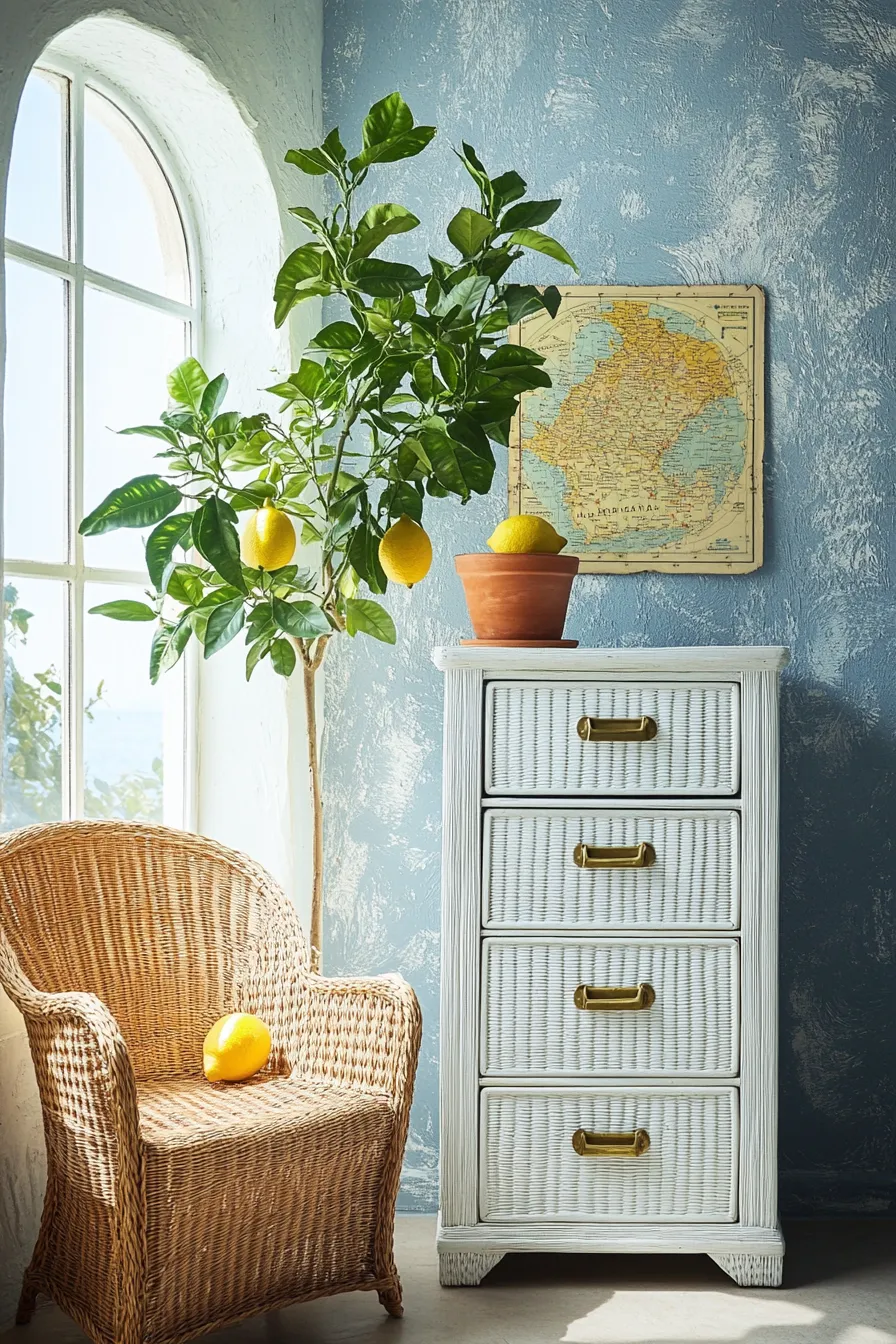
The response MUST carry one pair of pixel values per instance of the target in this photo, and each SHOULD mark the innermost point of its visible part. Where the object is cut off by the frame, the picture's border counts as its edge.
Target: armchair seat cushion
(255, 1189)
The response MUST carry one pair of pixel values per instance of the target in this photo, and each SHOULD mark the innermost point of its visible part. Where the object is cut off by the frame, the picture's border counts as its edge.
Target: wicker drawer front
(531, 1025)
(533, 746)
(529, 1171)
(530, 879)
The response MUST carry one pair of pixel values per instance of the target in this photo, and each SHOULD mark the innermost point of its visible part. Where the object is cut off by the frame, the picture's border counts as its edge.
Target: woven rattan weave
(175, 1206)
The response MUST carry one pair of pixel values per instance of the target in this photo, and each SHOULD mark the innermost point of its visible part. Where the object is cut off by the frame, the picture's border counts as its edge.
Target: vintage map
(647, 451)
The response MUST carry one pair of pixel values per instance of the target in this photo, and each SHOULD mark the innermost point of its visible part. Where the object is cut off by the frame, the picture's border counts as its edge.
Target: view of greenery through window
(98, 310)
(32, 744)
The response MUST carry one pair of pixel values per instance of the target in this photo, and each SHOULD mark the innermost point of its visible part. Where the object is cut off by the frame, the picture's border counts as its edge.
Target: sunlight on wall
(654, 1317)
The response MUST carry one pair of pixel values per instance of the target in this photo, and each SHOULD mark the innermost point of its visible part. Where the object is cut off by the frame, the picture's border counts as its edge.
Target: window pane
(128, 352)
(36, 196)
(123, 713)
(132, 229)
(34, 415)
(33, 636)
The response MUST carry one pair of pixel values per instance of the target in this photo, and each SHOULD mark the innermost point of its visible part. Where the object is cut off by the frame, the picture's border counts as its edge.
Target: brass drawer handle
(614, 856)
(600, 999)
(617, 730)
(587, 1143)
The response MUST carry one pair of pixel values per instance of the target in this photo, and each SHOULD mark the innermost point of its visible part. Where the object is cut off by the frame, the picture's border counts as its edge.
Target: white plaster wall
(228, 87)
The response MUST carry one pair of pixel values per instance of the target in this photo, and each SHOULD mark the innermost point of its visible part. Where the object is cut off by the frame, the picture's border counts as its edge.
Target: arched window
(100, 305)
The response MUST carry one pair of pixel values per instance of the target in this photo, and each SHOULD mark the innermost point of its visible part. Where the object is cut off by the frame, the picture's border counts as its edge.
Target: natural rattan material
(175, 1206)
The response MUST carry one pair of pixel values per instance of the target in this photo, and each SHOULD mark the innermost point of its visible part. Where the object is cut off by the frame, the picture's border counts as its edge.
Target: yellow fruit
(406, 552)
(269, 539)
(523, 534)
(237, 1046)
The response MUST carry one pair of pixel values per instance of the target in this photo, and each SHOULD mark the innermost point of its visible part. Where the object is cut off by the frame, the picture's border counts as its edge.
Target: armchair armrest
(362, 1033)
(85, 1077)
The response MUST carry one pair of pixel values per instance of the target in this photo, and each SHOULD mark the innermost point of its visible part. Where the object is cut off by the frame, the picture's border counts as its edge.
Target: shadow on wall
(838, 954)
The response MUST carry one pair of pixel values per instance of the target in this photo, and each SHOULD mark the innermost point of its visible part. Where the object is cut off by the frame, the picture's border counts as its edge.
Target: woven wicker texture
(529, 1170)
(174, 1206)
(530, 1024)
(530, 879)
(532, 746)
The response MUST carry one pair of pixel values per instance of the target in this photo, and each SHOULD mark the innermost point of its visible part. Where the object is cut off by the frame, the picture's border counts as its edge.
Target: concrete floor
(839, 1288)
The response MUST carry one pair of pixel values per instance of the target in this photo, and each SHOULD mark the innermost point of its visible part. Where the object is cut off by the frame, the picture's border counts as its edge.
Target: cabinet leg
(752, 1271)
(465, 1269)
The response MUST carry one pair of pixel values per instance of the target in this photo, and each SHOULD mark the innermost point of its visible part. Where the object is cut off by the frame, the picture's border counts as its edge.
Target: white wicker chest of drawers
(608, 1060)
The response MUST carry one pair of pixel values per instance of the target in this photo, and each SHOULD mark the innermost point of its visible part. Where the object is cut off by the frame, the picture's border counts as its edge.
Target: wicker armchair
(175, 1206)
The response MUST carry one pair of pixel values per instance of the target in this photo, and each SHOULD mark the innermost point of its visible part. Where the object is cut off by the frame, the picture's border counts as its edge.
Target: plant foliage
(397, 401)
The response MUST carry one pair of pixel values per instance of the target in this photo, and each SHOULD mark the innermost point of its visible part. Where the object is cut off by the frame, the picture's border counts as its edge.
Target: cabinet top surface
(709, 658)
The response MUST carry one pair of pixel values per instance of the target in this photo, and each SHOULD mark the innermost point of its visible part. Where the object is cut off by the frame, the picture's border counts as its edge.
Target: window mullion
(75, 732)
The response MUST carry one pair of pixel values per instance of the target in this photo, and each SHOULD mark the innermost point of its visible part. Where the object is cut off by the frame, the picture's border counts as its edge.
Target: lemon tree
(397, 402)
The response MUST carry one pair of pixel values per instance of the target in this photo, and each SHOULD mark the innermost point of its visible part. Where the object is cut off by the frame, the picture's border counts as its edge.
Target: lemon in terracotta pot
(405, 552)
(525, 534)
(237, 1046)
(269, 539)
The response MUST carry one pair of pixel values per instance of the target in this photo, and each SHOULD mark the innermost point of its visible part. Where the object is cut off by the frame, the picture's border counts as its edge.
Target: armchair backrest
(169, 929)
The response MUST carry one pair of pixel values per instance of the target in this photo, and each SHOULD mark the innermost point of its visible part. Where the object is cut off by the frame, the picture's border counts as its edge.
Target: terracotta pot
(517, 598)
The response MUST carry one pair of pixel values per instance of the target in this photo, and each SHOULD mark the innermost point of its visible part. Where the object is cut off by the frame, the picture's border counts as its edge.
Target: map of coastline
(645, 451)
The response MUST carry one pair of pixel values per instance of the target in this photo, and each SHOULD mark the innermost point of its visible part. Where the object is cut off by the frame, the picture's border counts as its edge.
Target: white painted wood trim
(459, 1053)
(759, 952)
(637, 661)
(618, 1238)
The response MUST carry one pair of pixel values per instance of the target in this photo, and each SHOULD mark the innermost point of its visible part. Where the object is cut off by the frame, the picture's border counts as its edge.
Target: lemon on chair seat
(526, 534)
(269, 539)
(405, 552)
(237, 1046)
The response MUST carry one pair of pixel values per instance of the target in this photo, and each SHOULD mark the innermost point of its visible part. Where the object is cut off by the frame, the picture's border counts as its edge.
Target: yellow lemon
(237, 1046)
(524, 533)
(269, 539)
(406, 552)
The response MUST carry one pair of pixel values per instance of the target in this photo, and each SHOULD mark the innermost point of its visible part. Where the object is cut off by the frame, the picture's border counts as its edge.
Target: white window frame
(180, 691)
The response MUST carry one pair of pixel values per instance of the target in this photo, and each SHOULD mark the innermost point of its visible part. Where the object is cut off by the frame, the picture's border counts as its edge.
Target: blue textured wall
(697, 141)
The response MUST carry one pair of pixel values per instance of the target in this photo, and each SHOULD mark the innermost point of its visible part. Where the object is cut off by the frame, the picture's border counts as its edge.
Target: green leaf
(161, 542)
(362, 616)
(363, 555)
(468, 231)
(379, 223)
(215, 538)
(300, 273)
(256, 652)
(154, 432)
(542, 242)
(399, 497)
(551, 298)
(142, 502)
(385, 278)
(508, 356)
(308, 217)
(449, 365)
(389, 117)
(458, 468)
(185, 585)
(508, 187)
(403, 146)
(302, 620)
(521, 300)
(336, 336)
(466, 295)
(308, 378)
(314, 162)
(527, 213)
(187, 383)
(471, 162)
(283, 657)
(168, 643)
(225, 622)
(212, 397)
(124, 610)
(333, 146)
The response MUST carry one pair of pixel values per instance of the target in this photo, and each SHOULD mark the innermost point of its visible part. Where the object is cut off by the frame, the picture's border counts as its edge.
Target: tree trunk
(312, 656)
